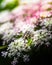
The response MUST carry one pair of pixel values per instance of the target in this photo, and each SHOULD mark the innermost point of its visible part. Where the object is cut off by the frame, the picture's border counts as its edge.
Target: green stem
(3, 47)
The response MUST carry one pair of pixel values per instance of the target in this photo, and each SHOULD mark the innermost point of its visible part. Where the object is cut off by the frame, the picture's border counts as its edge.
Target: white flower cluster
(20, 40)
(17, 46)
(23, 41)
(7, 31)
(21, 26)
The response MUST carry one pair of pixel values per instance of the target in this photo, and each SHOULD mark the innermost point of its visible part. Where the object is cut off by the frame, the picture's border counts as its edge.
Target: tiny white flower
(4, 53)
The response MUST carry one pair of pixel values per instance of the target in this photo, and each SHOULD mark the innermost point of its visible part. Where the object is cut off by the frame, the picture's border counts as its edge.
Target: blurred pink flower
(29, 14)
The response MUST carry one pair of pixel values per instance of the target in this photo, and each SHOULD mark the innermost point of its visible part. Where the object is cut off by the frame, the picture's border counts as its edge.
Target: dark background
(39, 56)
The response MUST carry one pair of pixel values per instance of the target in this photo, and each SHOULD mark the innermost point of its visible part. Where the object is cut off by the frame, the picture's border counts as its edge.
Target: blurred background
(10, 4)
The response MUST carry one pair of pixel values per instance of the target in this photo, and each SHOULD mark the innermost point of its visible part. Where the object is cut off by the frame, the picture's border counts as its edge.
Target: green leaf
(12, 5)
(9, 5)
(1, 1)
